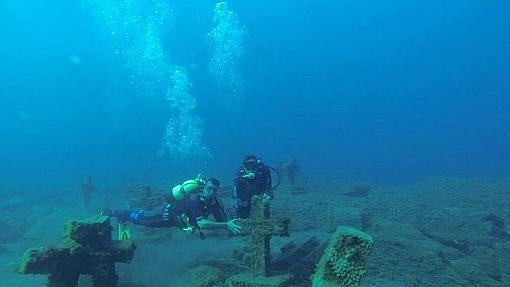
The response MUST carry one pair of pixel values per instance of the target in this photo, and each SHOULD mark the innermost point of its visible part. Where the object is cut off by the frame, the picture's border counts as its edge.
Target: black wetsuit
(198, 208)
(180, 214)
(246, 188)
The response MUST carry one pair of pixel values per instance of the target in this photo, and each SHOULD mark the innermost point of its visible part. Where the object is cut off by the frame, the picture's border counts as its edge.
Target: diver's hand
(233, 227)
(266, 198)
(237, 202)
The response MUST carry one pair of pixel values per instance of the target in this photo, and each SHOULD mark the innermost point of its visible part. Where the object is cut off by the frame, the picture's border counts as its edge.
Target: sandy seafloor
(413, 226)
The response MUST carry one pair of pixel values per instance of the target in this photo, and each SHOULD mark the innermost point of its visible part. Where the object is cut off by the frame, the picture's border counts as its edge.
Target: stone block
(344, 260)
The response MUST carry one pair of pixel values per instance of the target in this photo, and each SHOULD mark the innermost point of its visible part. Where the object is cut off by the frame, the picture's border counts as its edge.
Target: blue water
(355, 90)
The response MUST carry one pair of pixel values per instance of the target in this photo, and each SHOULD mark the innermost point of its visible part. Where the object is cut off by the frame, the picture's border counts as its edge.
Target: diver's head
(250, 162)
(212, 185)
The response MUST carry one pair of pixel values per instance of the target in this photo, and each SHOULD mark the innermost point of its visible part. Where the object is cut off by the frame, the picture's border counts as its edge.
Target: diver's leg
(139, 218)
(121, 215)
(164, 219)
(152, 221)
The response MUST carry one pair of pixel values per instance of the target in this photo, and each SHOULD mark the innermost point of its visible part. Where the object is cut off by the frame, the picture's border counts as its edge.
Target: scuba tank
(190, 186)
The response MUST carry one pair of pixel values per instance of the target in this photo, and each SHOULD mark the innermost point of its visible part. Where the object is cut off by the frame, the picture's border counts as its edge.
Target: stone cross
(260, 228)
(147, 201)
(87, 189)
(291, 168)
(86, 248)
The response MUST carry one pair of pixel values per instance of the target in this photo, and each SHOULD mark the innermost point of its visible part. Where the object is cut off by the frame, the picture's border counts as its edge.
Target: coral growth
(86, 248)
(343, 262)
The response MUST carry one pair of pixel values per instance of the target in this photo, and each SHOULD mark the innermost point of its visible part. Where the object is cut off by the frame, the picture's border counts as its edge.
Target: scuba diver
(253, 178)
(188, 206)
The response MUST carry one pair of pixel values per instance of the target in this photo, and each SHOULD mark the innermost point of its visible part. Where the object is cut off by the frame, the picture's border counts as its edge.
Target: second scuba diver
(253, 178)
(188, 207)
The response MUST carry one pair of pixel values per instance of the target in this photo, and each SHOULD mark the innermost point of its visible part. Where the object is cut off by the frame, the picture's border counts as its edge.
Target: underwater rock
(205, 276)
(343, 262)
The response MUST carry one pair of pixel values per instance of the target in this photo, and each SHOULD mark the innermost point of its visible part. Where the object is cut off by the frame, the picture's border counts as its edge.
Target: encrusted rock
(86, 248)
(343, 262)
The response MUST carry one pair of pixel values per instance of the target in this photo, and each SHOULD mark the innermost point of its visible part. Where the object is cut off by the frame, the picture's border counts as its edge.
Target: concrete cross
(260, 228)
(86, 248)
(87, 189)
(147, 201)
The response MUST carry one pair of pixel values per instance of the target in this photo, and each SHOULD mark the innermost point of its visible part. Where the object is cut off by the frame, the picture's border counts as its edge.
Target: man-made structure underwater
(442, 232)
(290, 168)
(343, 262)
(260, 229)
(87, 190)
(86, 248)
(144, 199)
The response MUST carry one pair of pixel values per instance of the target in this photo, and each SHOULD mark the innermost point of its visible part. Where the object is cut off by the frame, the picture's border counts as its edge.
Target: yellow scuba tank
(188, 187)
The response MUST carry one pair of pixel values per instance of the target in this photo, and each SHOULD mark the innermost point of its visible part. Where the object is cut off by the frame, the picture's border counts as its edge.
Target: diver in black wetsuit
(253, 178)
(189, 213)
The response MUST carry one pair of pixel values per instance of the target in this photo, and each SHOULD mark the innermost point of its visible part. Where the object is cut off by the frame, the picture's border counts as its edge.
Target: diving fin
(124, 233)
